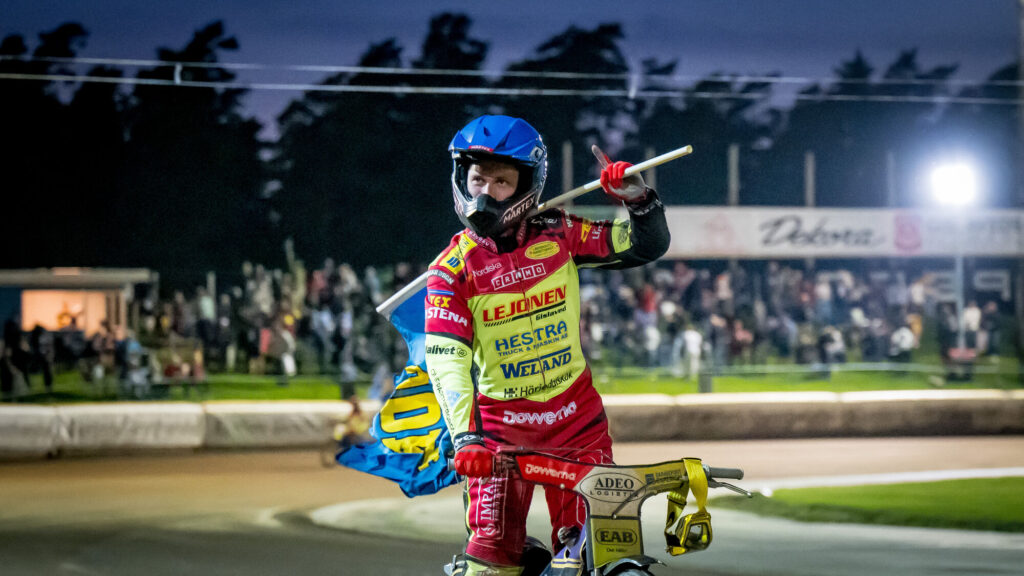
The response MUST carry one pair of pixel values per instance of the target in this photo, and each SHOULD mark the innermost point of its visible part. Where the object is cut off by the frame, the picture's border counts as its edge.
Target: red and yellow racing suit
(503, 350)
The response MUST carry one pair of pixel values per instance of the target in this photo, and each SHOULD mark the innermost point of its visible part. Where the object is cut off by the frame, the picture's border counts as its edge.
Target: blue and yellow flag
(412, 438)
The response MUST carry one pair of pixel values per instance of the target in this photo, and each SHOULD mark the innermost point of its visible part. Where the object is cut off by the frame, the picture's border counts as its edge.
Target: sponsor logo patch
(548, 418)
(524, 305)
(525, 341)
(489, 508)
(585, 227)
(442, 314)
(442, 275)
(446, 351)
(518, 210)
(537, 366)
(453, 262)
(542, 250)
(487, 269)
(515, 276)
(466, 244)
(438, 300)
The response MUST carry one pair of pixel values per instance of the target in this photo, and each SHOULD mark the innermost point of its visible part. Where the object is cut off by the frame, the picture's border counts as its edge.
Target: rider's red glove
(629, 189)
(474, 460)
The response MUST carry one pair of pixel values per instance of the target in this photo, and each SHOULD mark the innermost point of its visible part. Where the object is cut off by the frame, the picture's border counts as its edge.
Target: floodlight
(954, 184)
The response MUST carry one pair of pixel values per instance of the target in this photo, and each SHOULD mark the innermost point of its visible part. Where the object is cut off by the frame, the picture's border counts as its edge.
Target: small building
(73, 298)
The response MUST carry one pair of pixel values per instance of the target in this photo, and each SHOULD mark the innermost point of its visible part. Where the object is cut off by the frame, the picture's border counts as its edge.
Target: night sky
(792, 37)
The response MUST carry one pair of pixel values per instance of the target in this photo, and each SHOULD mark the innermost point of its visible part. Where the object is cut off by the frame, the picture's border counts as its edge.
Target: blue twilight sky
(806, 38)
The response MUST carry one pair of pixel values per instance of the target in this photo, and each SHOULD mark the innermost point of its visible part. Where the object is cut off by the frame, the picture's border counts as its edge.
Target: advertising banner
(723, 232)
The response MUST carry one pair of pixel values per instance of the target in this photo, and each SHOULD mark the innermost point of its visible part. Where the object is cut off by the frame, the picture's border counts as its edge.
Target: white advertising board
(723, 232)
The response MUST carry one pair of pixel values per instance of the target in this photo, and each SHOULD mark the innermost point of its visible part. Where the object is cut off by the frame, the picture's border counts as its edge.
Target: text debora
(791, 230)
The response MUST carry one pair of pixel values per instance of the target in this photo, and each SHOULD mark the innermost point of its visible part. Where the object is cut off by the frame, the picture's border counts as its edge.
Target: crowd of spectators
(286, 321)
(664, 315)
(667, 315)
(678, 317)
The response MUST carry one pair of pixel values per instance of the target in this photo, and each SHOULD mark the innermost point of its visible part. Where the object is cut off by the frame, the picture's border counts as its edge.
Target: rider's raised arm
(449, 341)
(622, 243)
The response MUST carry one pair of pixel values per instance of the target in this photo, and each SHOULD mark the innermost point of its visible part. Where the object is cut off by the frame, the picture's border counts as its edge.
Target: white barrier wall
(39, 430)
(815, 414)
(271, 424)
(89, 427)
(28, 430)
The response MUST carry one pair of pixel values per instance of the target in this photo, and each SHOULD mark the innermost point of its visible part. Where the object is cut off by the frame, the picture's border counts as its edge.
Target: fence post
(705, 382)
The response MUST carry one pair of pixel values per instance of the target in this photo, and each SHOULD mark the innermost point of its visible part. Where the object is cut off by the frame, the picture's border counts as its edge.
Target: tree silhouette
(582, 120)
(715, 112)
(188, 194)
(37, 163)
(171, 177)
(365, 176)
(851, 127)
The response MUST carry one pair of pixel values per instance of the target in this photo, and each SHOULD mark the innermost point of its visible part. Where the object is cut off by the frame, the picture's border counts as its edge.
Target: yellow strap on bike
(692, 532)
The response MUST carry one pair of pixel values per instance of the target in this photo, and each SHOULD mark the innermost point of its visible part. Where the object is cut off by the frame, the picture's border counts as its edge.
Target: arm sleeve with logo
(449, 352)
(621, 243)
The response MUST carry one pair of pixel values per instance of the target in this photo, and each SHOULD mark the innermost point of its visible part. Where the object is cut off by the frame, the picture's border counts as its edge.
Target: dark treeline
(177, 178)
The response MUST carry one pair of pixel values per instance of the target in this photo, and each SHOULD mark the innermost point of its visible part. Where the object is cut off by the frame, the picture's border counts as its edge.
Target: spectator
(741, 343)
(694, 343)
(823, 300)
(261, 290)
(833, 346)
(226, 333)
(41, 349)
(807, 346)
(947, 332)
(356, 428)
(720, 341)
(902, 344)
(16, 356)
(324, 326)
(989, 333)
(281, 350)
(373, 287)
(972, 324)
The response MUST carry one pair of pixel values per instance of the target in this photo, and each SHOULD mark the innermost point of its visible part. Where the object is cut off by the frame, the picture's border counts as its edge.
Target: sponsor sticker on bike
(546, 470)
(616, 537)
(612, 487)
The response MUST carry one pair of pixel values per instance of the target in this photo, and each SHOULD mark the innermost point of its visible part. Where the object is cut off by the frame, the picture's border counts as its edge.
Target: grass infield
(995, 504)
(71, 388)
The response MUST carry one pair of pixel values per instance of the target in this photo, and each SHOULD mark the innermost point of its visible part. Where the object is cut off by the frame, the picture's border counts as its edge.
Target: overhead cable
(500, 91)
(551, 75)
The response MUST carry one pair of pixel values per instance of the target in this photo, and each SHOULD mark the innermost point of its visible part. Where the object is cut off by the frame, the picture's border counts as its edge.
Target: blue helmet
(504, 139)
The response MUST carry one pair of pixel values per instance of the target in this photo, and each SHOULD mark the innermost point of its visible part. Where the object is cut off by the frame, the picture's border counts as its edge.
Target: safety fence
(28, 431)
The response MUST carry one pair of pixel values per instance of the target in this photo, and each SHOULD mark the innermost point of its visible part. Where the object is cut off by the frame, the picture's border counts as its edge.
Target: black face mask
(490, 218)
(483, 216)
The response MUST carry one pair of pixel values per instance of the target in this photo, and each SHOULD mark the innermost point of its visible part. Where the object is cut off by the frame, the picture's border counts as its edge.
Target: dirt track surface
(243, 513)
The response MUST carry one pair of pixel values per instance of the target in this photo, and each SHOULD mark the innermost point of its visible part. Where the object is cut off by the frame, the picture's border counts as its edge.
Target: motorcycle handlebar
(718, 473)
(713, 472)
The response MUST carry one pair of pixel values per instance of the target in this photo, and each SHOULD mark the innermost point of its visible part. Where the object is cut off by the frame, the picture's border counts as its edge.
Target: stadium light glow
(954, 184)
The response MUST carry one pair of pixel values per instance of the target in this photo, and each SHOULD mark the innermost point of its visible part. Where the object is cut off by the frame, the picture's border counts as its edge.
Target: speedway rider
(503, 327)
